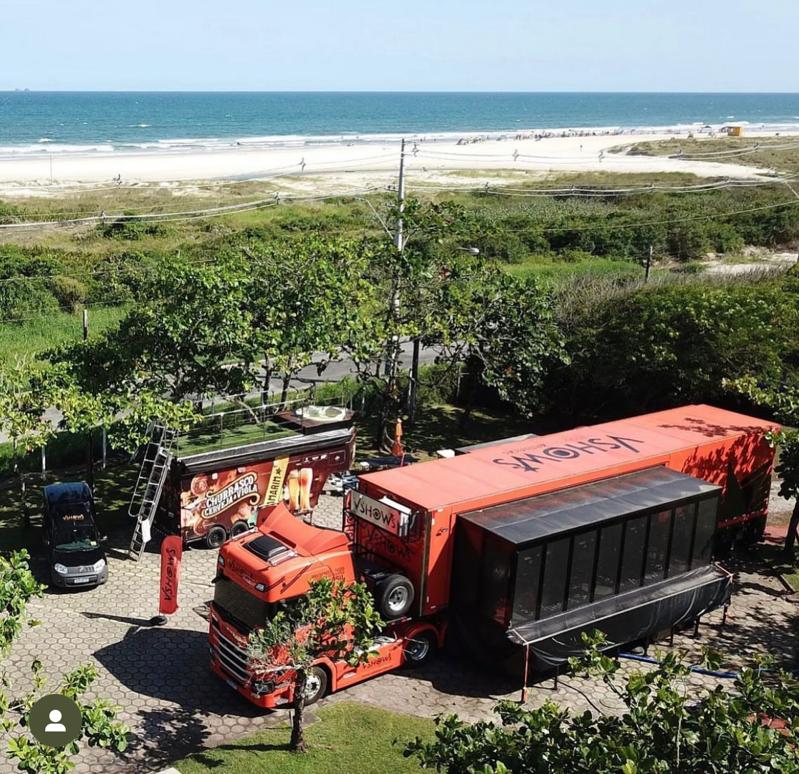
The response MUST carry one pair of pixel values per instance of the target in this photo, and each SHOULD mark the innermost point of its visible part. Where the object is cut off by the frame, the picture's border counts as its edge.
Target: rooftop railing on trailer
(240, 420)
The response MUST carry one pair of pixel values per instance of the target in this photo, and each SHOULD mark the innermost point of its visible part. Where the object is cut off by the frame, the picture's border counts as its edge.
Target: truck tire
(239, 528)
(215, 536)
(394, 596)
(316, 685)
(419, 649)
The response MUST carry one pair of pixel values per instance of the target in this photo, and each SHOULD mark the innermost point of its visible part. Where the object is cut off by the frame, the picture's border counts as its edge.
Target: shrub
(70, 293)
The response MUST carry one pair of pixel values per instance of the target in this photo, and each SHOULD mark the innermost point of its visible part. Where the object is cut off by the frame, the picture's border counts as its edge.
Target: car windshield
(74, 532)
(234, 602)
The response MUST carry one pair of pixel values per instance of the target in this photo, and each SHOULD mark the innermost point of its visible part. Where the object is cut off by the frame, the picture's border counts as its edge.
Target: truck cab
(277, 562)
(75, 553)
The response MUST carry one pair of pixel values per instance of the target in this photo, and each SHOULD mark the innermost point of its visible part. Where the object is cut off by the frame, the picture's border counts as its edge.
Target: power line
(169, 217)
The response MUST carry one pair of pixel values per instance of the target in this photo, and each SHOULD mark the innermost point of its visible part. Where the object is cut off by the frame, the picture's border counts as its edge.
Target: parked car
(76, 556)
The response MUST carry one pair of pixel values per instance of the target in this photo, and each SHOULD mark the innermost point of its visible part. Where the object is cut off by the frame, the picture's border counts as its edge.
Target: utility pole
(393, 360)
(648, 263)
(90, 443)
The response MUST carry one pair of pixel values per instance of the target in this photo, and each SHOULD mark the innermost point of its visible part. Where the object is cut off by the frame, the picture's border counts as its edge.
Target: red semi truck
(510, 551)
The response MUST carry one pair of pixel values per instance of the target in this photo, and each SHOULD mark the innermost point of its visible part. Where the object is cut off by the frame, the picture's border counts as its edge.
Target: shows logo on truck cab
(389, 518)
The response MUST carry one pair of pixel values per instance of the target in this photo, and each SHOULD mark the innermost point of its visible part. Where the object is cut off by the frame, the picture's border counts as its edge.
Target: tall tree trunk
(284, 390)
(297, 743)
(790, 538)
(90, 460)
(266, 383)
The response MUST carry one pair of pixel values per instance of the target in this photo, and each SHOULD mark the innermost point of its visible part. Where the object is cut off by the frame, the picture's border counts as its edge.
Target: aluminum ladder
(149, 485)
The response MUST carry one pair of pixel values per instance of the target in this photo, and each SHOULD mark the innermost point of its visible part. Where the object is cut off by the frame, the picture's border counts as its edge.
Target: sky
(414, 45)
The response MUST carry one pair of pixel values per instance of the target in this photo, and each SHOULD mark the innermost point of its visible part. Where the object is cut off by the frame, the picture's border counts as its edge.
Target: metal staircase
(149, 485)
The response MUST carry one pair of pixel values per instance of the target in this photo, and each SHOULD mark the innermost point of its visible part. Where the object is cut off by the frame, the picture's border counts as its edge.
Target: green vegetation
(212, 438)
(777, 153)
(348, 738)
(663, 728)
(332, 620)
(635, 348)
(43, 332)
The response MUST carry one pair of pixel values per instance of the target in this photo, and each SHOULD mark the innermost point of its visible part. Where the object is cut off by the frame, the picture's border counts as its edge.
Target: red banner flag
(171, 554)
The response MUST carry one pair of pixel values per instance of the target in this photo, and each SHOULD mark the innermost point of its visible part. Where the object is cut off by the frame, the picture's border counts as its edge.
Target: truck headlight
(261, 687)
(98, 565)
(60, 569)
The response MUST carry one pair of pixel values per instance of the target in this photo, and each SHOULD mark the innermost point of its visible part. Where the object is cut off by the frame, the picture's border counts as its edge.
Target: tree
(663, 728)
(303, 296)
(638, 348)
(183, 338)
(333, 620)
(783, 402)
(99, 725)
(504, 329)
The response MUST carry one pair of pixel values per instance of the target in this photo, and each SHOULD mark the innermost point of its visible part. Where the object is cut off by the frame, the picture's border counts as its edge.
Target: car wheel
(239, 528)
(419, 648)
(395, 596)
(315, 685)
(215, 537)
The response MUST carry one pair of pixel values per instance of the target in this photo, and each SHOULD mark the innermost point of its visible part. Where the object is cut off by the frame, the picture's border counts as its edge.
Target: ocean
(87, 122)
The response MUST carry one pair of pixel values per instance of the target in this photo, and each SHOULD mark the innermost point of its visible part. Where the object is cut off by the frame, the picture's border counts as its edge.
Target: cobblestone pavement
(174, 704)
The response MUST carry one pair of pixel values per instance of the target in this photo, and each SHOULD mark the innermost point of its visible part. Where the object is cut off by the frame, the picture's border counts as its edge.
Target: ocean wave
(48, 148)
(298, 141)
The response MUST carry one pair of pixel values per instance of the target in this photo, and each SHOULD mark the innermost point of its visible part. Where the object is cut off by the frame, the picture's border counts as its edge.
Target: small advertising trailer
(210, 483)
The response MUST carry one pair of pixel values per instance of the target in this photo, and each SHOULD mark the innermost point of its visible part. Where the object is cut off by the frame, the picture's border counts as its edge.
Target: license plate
(76, 581)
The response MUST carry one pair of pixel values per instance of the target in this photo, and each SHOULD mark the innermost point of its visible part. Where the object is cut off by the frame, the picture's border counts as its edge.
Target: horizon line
(27, 90)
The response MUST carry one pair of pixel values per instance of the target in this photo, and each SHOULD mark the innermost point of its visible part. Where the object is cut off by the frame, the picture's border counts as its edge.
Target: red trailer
(210, 483)
(525, 543)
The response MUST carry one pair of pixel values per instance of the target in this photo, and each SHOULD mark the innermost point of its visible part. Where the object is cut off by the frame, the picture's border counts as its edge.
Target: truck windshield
(74, 531)
(235, 602)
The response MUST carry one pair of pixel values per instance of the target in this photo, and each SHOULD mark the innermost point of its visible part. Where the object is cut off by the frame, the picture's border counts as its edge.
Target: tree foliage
(783, 402)
(663, 728)
(333, 620)
(642, 348)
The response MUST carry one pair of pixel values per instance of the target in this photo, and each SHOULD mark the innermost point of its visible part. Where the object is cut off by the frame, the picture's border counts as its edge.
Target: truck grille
(230, 656)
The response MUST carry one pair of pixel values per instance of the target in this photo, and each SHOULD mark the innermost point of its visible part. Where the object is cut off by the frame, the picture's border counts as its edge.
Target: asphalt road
(335, 372)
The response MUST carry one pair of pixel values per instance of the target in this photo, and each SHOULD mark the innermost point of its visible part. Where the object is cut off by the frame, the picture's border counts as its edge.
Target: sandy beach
(326, 167)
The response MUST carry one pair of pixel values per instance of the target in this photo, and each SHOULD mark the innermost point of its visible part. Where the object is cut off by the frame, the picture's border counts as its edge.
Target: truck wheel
(419, 648)
(239, 528)
(315, 685)
(395, 596)
(215, 536)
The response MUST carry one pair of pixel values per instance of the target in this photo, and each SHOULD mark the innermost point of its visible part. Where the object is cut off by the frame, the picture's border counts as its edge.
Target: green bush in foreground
(753, 728)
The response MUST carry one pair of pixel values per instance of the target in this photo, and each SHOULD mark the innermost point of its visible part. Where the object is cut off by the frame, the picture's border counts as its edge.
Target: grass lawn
(442, 426)
(555, 270)
(348, 739)
(31, 337)
(209, 439)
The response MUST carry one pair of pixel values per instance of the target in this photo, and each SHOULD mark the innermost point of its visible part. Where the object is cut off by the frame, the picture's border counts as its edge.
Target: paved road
(175, 705)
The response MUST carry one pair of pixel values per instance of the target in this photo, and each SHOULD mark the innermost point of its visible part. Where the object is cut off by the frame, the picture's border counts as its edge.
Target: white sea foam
(193, 144)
